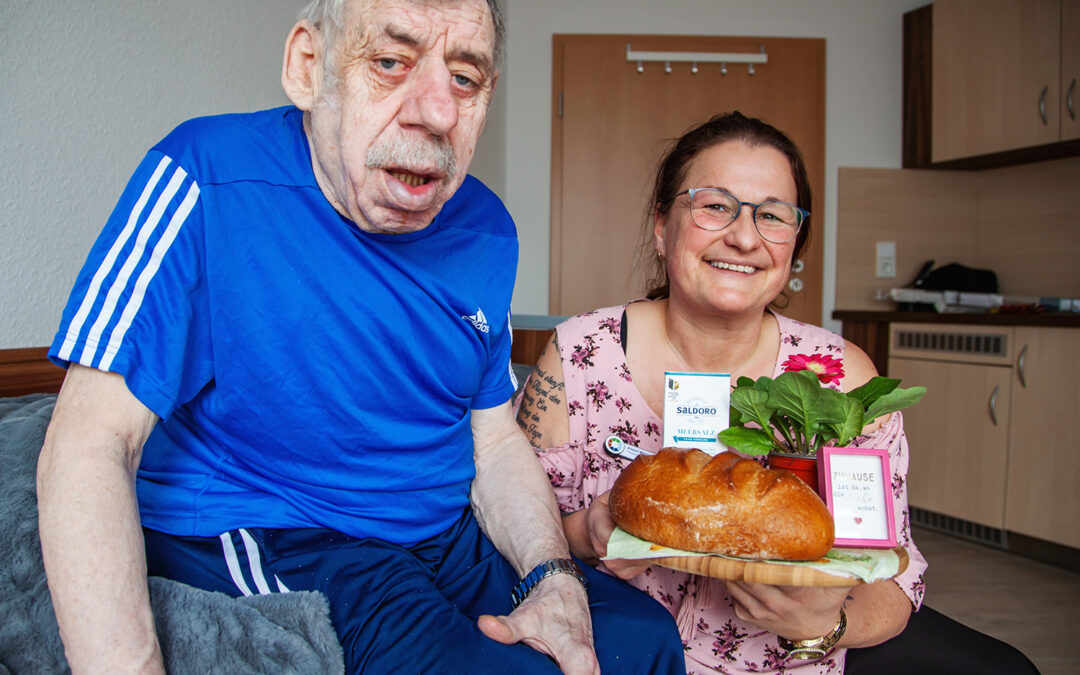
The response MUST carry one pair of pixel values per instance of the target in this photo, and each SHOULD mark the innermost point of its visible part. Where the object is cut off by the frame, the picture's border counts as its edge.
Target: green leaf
(763, 383)
(752, 404)
(852, 423)
(734, 417)
(796, 396)
(897, 399)
(831, 406)
(744, 382)
(875, 388)
(747, 441)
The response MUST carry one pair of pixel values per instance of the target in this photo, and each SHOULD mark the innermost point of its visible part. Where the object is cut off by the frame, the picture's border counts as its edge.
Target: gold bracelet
(814, 648)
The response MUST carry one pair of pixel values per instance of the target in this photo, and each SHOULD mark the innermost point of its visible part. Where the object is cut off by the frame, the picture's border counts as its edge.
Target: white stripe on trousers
(232, 560)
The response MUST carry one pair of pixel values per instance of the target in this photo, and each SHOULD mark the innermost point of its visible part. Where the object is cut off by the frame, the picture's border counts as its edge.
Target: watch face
(807, 653)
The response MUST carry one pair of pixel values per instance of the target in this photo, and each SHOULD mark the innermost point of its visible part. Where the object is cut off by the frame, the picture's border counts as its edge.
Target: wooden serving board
(764, 572)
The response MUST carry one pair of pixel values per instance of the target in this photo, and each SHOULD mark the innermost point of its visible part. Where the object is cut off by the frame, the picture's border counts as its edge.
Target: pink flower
(827, 369)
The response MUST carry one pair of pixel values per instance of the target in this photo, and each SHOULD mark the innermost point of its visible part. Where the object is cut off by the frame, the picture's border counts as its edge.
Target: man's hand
(516, 509)
(554, 620)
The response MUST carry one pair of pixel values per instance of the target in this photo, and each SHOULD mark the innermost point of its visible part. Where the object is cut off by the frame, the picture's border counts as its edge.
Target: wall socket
(886, 259)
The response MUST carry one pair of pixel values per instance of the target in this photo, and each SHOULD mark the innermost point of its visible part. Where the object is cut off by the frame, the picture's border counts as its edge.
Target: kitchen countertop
(1058, 319)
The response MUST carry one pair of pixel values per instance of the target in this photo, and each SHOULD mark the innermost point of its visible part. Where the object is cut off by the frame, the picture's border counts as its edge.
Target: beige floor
(1032, 606)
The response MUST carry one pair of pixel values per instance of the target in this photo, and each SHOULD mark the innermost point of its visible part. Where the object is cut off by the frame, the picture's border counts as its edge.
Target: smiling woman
(731, 213)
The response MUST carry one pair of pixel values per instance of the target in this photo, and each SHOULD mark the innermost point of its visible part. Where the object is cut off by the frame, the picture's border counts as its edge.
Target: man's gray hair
(328, 17)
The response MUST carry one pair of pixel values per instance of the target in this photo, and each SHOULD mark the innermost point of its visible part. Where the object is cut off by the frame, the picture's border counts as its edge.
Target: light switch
(886, 259)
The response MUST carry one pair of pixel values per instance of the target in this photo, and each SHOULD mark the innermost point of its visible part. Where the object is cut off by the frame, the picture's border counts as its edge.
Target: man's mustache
(414, 155)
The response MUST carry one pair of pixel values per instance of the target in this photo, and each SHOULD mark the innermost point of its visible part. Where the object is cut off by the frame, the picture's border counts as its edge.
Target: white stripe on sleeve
(139, 292)
(75, 327)
(121, 281)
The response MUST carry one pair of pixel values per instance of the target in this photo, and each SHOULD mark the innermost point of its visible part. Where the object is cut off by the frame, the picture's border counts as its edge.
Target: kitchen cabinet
(1070, 69)
(1043, 494)
(996, 439)
(958, 435)
(987, 82)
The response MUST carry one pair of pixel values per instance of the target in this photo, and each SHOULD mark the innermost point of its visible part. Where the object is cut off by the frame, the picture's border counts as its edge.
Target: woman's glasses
(714, 209)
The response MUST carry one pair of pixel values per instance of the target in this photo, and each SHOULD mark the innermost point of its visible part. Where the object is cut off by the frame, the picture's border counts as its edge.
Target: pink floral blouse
(602, 400)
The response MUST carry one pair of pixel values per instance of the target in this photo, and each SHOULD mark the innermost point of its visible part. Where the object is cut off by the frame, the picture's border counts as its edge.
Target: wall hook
(693, 68)
(723, 69)
(667, 67)
(640, 68)
(750, 69)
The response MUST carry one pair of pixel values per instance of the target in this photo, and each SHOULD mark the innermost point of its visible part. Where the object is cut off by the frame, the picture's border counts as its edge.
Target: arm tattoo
(541, 394)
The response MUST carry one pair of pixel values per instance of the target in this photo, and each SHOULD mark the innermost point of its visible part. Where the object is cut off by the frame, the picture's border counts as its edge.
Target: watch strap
(543, 571)
(815, 648)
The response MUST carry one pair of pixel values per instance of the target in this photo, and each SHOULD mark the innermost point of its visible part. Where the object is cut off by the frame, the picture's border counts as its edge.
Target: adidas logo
(478, 320)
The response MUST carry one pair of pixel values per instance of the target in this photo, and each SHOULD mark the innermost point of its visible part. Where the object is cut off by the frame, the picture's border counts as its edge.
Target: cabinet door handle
(1069, 99)
(993, 404)
(1042, 105)
(1020, 366)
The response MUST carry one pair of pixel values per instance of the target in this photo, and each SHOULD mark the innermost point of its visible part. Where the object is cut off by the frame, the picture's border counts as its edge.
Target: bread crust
(686, 499)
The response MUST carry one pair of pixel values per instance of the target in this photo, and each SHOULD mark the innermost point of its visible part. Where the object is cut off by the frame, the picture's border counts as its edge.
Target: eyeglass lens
(713, 209)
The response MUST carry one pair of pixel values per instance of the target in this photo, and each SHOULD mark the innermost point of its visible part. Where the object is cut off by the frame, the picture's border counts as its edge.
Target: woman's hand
(794, 612)
(598, 526)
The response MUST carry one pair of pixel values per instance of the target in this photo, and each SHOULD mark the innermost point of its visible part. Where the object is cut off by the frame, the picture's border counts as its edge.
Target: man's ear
(300, 68)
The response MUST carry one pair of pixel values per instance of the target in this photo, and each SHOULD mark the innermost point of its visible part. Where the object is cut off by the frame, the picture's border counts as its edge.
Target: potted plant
(796, 414)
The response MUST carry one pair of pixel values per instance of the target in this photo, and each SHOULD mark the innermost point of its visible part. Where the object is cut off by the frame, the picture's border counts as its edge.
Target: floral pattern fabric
(602, 400)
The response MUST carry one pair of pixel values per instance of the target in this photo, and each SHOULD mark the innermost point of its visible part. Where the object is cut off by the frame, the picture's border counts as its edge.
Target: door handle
(993, 404)
(1020, 366)
(1042, 105)
(1069, 99)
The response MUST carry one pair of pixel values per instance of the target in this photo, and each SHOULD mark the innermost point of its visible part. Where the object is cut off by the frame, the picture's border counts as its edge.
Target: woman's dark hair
(732, 126)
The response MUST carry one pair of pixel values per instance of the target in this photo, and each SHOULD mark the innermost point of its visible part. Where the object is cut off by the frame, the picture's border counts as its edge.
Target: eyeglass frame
(803, 213)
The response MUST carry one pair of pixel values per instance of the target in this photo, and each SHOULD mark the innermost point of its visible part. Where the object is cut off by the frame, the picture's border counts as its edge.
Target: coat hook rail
(695, 58)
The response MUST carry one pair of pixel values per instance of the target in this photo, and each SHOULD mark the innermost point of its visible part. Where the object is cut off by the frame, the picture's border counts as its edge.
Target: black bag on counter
(956, 277)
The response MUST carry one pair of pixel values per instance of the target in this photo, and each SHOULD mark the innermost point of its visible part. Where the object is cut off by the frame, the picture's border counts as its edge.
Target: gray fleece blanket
(199, 631)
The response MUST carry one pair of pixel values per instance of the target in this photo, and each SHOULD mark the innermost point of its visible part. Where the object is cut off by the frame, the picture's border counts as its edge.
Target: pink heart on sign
(858, 520)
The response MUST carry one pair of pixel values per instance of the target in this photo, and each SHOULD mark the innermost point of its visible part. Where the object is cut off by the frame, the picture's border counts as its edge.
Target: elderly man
(289, 369)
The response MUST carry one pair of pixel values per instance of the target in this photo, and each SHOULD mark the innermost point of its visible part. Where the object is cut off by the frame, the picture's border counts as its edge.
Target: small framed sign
(857, 486)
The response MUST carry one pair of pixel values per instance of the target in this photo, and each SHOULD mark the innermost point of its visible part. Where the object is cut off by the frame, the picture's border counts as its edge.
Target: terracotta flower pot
(802, 466)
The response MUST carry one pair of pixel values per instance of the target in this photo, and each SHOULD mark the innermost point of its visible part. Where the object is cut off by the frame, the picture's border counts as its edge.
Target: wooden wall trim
(528, 345)
(28, 371)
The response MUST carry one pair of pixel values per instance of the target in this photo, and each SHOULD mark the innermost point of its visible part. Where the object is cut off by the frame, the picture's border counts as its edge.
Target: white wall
(89, 86)
(863, 96)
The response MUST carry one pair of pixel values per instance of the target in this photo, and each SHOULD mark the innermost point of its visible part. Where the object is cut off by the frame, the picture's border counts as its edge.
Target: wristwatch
(815, 648)
(543, 571)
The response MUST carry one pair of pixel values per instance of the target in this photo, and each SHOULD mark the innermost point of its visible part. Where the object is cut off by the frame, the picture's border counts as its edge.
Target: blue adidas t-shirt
(307, 374)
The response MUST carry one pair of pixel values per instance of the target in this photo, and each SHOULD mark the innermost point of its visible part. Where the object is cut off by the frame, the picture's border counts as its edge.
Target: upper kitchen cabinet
(991, 82)
(1070, 69)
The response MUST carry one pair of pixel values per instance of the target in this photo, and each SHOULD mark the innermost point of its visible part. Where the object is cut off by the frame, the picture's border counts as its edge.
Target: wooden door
(1044, 437)
(957, 453)
(612, 124)
(993, 59)
(1070, 69)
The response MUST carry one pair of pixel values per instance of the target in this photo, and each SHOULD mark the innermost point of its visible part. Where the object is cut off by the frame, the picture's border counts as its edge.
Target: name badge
(696, 409)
